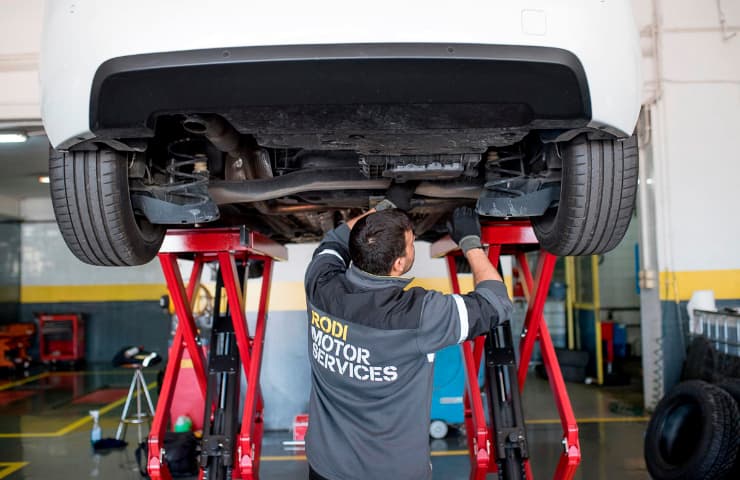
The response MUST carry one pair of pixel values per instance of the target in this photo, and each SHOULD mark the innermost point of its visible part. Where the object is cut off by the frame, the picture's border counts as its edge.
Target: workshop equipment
(15, 340)
(227, 450)
(61, 338)
(143, 415)
(449, 384)
(721, 328)
(501, 446)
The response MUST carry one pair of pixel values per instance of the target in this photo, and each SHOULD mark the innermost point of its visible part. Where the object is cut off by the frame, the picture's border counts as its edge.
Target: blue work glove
(465, 228)
(398, 196)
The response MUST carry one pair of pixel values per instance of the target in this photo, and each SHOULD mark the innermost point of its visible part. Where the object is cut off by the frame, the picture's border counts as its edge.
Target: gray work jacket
(371, 345)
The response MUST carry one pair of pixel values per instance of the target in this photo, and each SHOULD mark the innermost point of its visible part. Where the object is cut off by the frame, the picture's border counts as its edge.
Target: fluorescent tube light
(12, 138)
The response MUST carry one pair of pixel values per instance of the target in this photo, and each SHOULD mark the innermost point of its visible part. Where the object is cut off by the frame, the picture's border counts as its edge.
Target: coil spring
(182, 183)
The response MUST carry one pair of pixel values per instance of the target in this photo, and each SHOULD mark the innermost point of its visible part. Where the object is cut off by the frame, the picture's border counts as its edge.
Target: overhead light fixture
(43, 179)
(13, 138)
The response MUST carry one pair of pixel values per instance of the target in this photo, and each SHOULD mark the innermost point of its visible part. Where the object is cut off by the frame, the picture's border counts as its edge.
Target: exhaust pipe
(245, 155)
(225, 192)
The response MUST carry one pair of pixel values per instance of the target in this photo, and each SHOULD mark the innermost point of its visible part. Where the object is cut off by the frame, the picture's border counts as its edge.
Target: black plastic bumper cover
(523, 84)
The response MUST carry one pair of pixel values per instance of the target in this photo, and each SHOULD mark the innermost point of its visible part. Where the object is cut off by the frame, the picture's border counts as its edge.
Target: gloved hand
(465, 229)
(398, 196)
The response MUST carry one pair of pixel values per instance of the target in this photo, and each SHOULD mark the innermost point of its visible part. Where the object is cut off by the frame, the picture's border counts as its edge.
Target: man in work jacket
(372, 343)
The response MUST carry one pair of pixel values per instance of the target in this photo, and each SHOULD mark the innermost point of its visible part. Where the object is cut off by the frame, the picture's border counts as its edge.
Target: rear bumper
(79, 37)
(429, 86)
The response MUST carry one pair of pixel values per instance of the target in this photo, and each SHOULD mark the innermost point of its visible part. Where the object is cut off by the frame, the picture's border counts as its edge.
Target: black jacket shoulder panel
(388, 308)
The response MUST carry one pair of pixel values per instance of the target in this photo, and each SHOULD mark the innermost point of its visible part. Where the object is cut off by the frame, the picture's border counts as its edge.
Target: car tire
(693, 434)
(732, 386)
(597, 197)
(701, 361)
(90, 196)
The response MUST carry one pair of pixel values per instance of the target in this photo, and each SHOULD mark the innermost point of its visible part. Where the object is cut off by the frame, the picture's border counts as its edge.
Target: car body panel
(81, 36)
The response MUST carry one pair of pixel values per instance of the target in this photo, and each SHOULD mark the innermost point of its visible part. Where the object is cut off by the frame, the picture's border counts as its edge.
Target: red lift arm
(225, 246)
(513, 238)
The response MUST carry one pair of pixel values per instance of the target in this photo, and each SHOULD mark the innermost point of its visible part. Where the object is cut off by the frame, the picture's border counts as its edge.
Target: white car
(289, 117)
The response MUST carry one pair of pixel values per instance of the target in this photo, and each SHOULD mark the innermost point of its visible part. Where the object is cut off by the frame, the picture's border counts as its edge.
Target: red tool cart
(15, 340)
(61, 337)
(230, 449)
(501, 445)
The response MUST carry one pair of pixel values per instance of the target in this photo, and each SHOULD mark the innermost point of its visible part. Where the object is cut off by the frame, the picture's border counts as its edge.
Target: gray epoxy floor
(43, 436)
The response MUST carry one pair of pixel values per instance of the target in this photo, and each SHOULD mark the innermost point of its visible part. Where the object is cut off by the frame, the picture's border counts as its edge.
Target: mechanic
(372, 342)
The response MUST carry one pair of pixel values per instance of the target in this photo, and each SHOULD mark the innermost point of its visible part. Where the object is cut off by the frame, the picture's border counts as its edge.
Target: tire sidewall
(702, 395)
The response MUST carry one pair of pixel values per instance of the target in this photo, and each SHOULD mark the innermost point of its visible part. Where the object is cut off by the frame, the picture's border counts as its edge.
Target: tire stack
(694, 432)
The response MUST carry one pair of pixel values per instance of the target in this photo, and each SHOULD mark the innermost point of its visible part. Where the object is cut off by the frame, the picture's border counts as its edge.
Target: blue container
(620, 341)
(449, 386)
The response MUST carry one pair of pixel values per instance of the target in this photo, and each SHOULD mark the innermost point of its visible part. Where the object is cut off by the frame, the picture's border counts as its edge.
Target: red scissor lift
(227, 246)
(513, 238)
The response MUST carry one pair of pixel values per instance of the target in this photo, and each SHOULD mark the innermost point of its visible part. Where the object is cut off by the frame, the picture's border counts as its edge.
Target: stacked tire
(694, 433)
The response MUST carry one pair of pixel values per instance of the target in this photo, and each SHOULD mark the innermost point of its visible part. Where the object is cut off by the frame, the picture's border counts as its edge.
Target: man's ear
(397, 267)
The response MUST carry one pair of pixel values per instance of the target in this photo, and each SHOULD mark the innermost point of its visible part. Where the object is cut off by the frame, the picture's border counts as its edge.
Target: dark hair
(378, 239)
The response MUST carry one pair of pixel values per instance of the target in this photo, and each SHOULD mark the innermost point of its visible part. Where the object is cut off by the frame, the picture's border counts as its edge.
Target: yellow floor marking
(302, 458)
(74, 425)
(96, 372)
(10, 385)
(449, 453)
(6, 468)
(458, 453)
(283, 458)
(33, 378)
(83, 421)
(550, 421)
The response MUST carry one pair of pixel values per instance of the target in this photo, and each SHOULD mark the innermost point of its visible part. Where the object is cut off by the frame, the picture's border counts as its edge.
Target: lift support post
(484, 440)
(227, 246)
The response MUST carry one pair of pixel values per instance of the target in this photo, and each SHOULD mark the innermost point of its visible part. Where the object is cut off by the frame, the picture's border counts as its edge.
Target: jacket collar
(368, 280)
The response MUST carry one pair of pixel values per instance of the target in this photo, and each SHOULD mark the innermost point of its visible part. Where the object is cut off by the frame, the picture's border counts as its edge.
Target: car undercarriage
(201, 169)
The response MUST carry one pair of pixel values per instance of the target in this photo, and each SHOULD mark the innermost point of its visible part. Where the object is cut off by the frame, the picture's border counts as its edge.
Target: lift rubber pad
(6, 398)
(104, 395)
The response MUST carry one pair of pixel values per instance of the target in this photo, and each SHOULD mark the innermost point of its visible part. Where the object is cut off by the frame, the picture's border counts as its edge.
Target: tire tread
(598, 192)
(93, 210)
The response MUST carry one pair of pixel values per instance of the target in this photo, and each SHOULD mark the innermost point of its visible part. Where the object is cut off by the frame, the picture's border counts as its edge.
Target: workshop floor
(45, 431)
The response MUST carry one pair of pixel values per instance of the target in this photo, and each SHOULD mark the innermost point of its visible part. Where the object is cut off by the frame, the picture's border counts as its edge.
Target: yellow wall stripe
(724, 283)
(283, 295)
(91, 293)
(442, 284)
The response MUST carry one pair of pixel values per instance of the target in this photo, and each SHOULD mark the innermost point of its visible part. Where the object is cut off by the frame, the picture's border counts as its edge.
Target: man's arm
(351, 222)
(481, 266)
(489, 286)
(450, 319)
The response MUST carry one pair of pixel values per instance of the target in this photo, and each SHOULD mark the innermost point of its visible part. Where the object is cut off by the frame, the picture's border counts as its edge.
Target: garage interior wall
(689, 168)
(120, 305)
(689, 160)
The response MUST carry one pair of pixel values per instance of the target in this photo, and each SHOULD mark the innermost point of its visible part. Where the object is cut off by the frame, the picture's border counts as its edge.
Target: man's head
(382, 243)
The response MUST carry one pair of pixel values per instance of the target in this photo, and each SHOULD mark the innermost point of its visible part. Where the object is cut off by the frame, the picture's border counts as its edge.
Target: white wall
(20, 43)
(696, 128)
(9, 208)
